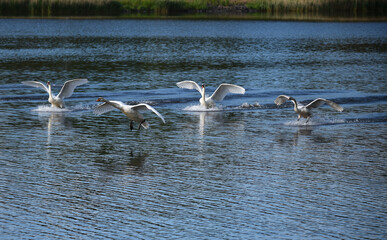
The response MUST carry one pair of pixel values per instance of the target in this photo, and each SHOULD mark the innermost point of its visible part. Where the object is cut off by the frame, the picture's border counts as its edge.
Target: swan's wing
(320, 101)
(69, 86)
(281, 99)
(189, 85)
(224, 89)
(36, 84)
(107, 107)
(144, 106)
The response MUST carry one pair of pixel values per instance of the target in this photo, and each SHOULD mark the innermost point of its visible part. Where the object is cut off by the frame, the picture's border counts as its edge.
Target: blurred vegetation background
(56, 8)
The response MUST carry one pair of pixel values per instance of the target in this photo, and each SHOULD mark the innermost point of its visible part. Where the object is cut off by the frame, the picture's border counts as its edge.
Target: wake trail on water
(220, 108)
(199, 108)
(49, 108)
(315, 122)
(322, 122)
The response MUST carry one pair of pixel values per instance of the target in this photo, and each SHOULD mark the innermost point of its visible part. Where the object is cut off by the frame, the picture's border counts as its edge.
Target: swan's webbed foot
(131, 125)
(139, 125)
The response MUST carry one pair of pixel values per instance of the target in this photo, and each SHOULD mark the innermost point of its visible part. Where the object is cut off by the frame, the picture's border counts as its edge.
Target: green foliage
(47, 8)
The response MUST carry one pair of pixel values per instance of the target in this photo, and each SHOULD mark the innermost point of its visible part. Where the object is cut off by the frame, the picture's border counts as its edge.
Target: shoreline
(264, 10)
(216, 16)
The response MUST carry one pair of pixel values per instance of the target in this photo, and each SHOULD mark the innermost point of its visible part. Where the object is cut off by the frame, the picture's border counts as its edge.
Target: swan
(305, 111)
(66, 91)
(131, 111)
(217, 96)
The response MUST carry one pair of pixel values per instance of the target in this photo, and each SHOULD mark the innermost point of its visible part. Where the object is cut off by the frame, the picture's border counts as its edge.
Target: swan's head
(48, 83)
(100, 99)
(203, 86)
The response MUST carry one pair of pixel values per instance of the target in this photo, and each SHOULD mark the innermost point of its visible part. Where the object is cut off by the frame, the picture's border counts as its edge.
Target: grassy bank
(334, 8)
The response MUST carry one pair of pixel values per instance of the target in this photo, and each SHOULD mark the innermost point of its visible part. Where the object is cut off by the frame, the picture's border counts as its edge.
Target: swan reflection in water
(210, 118)
(55, 121)
(218, 123)
(302, 131)
(109, 161)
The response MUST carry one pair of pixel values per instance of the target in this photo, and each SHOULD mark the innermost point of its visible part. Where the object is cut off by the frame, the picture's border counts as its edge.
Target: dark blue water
(247, 170)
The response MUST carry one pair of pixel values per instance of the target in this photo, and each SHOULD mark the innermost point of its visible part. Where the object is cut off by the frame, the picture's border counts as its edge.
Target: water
(247, 170)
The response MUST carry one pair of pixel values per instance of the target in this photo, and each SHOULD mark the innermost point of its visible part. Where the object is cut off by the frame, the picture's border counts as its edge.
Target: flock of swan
(133, 112)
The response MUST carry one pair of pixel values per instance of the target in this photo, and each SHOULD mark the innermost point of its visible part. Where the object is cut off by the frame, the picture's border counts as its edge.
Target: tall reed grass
(326, 7)
(164, 7)
(59, 8)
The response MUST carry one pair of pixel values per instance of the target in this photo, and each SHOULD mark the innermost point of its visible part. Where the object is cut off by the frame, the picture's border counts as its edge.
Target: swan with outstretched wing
(219, 94)
(133, 112)
(305, 111)
(66, 91)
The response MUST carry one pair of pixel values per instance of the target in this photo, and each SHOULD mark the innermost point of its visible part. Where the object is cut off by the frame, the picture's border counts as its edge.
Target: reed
(47, 8)
(326, 7)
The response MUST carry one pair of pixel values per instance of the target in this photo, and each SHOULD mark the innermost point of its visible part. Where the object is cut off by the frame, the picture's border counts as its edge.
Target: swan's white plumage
(144, 106)
(219, 94)
(320, 101)
(36, 84)
(224, 89)
(66, 91)
(133, 112)
(69, 86)
(104, 108)
(305, 111)
(281, 99)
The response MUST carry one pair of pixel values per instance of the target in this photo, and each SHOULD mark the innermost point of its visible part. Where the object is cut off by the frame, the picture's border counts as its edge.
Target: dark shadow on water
(111, 161)
(303, 136)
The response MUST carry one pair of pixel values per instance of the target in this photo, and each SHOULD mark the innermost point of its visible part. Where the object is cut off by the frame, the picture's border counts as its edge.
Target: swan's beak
(202, 85)
(98, 100)
(48, 83)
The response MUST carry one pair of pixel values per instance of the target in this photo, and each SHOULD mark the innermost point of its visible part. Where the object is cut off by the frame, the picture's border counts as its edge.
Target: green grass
(47, 8)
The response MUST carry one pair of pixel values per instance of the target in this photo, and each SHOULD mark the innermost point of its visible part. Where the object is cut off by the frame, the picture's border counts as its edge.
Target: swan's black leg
(139, 125)
(307, 119)
(131, 125)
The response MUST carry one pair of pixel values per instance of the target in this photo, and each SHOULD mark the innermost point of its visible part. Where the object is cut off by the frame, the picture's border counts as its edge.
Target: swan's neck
(49, 91)
(295, 105)
(203, 99)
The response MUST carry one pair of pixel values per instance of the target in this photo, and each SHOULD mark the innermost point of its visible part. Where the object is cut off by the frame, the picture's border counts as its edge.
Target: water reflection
(302, 131)
(56, 121)
(127, 163)
(210, 118)
(205, 171)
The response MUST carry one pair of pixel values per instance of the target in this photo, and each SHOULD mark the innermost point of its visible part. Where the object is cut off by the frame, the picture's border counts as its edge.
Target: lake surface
(248, 170)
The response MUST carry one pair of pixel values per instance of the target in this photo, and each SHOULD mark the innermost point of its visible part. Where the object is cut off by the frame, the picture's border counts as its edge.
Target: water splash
(219, 108)
(315, 122)
(81, 107)
(249, 106)
(48, 108)
(199, 108)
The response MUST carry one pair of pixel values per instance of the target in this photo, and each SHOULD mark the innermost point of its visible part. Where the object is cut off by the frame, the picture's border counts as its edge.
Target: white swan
(305, 111)
(217, 96)
(131, 111)
(66, 91)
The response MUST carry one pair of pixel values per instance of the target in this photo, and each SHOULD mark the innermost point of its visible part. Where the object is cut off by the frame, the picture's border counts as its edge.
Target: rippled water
(248, 170)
